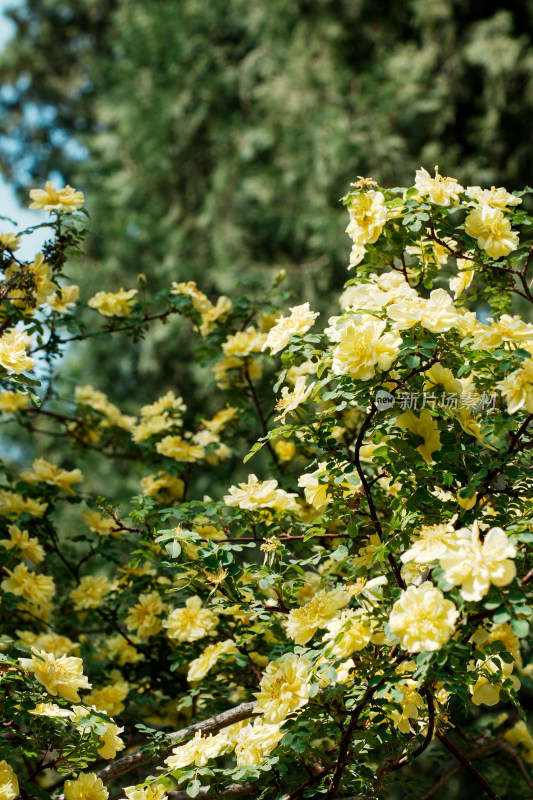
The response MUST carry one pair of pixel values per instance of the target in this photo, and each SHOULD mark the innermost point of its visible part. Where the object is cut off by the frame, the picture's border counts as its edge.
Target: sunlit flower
(347, 634)
(474, 565)
(190, 623)
(492, 230)
(13, 356)
(290, 401)
(362, 346)
(284, 688)
(368, 215)
(255, 742)
(59, 676)
(260, 494)
(299, 322)
(199, 668)
(422, 618)
(440, 190)
(436, 314)
(495, 197)
(86, 787)
(302, 623)
(64, 299)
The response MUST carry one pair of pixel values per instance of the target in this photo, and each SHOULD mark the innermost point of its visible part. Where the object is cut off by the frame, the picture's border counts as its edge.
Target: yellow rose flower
(302, 623)
(284, 688)
(354, 630)
(368, 215)
(14, 504)
(9, 785)
(440, 190)
(198, 751)
(143, 617)
(86, 787)
(361, 346)
(113, 304)
(168, 486)
(290, 401)
(11, 402)
(425, 428)
(299, 322)
(156, 791)
(437, 314)
(13, 356)
(64, 299)
(495, 197)
(422, 618)
(59, 676)
(91, 592)
(190, 623)
(260, 494)
(109, 698)
(44, 472)
(492, 230)
(30, 585)
(243, 343)
(27, 546)
(52, 199)
(517, 388)
(199, 668)
(255, 742)
(474, 566)
(180, 450)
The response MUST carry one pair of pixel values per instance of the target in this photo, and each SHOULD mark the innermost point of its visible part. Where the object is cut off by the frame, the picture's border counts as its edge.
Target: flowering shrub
(326, 625)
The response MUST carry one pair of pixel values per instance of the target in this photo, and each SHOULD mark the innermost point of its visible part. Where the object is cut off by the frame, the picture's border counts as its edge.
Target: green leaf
(520, 628)
(193, 788)
(173, 549)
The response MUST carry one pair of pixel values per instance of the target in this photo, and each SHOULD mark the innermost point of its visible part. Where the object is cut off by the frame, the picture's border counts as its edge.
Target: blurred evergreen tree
(214, 139)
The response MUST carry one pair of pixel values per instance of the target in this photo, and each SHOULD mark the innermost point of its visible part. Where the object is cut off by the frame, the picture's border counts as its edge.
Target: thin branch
(467, 764)
(143, 754)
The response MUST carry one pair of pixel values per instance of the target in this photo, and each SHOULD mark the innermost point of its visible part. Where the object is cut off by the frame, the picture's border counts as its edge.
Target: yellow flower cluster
(210, 314)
